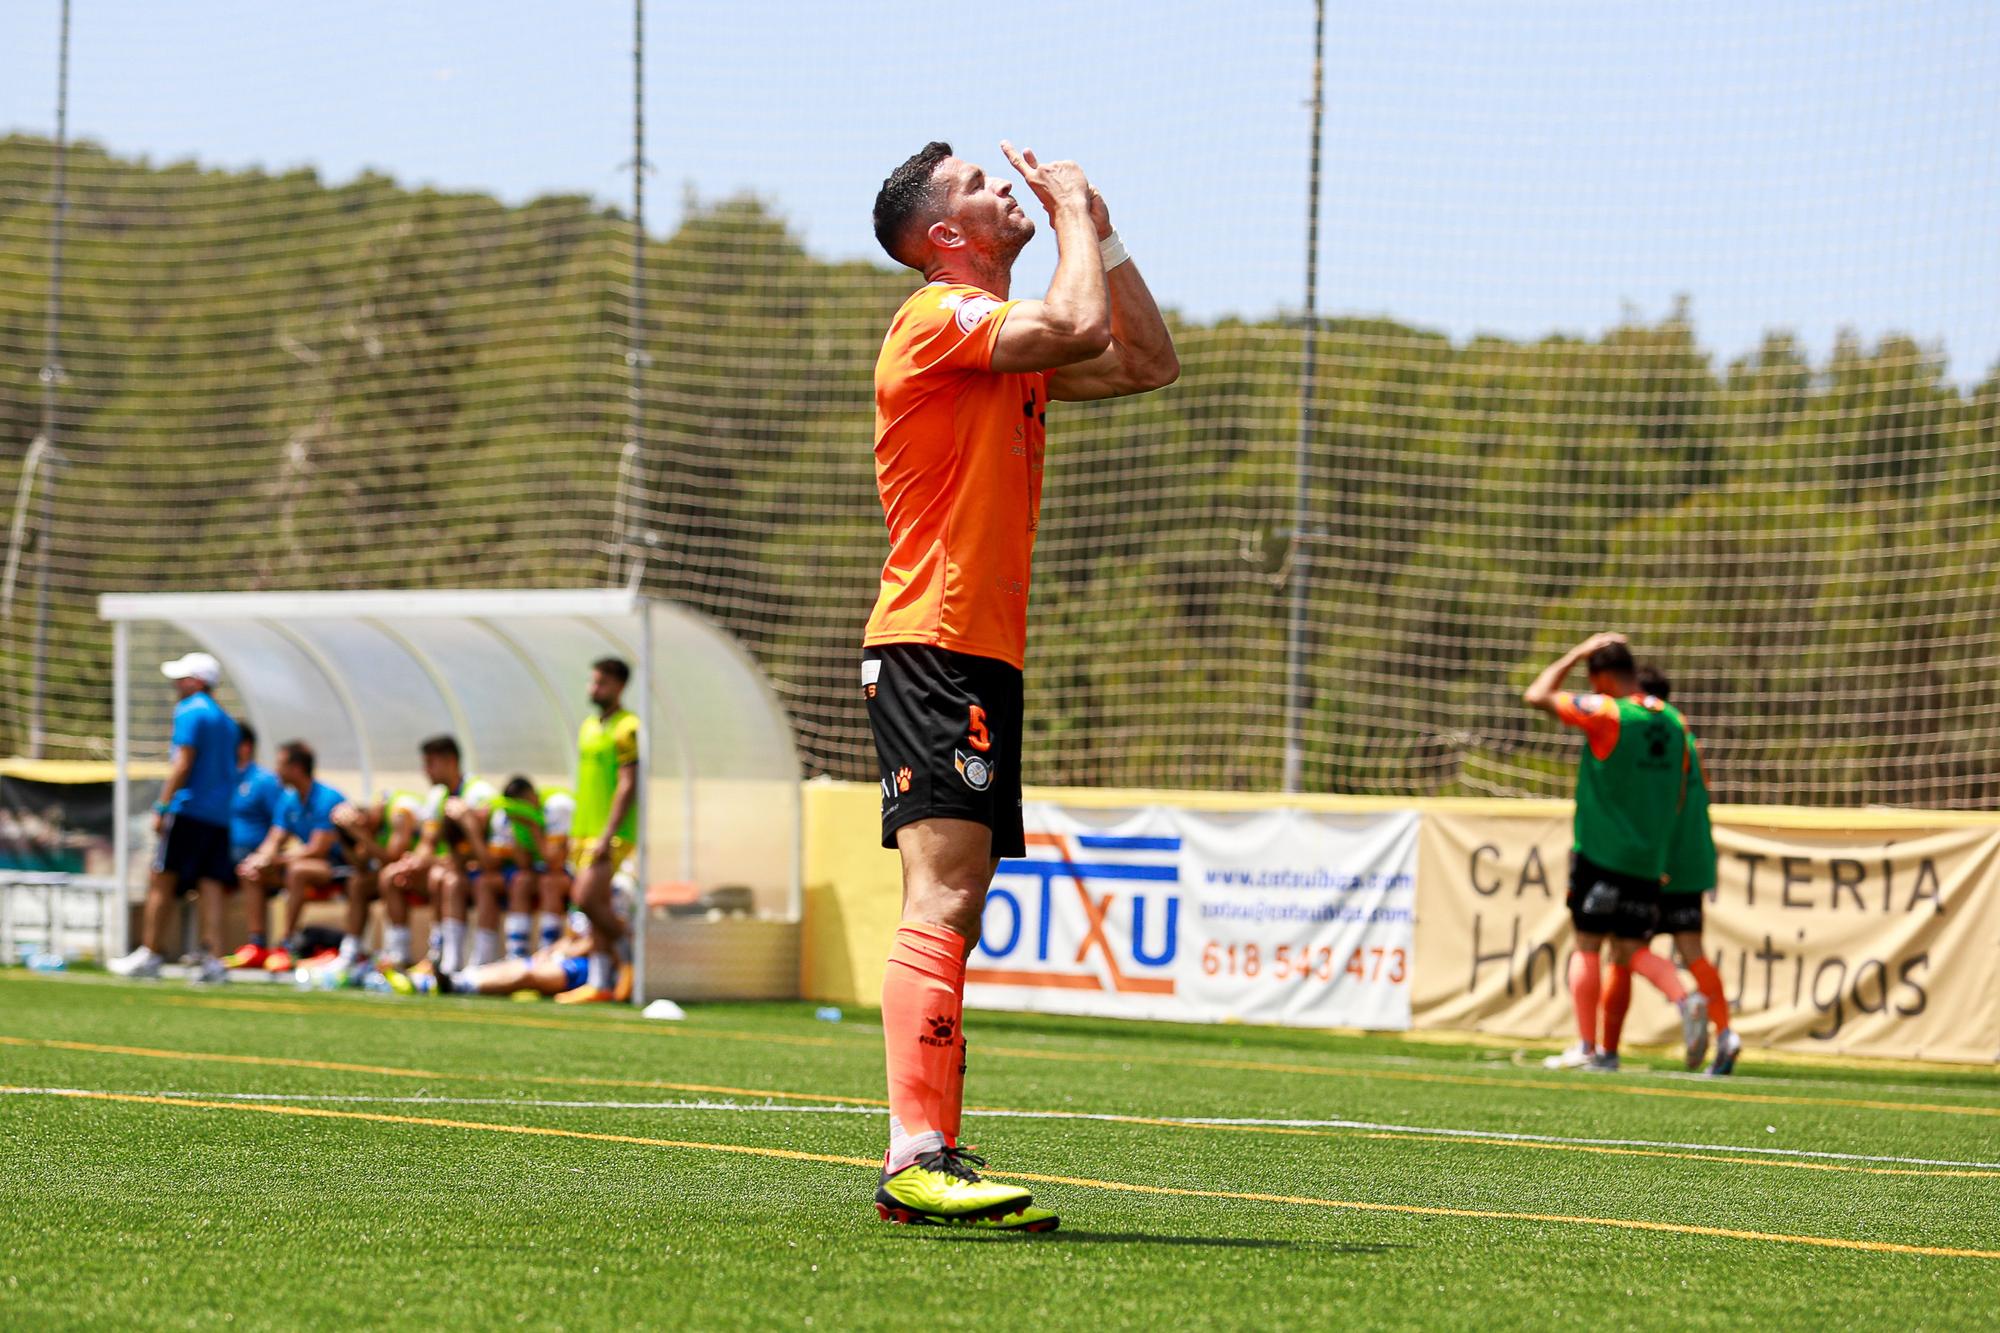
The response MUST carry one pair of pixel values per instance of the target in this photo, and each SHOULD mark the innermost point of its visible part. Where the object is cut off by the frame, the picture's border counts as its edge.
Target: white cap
(197, 666)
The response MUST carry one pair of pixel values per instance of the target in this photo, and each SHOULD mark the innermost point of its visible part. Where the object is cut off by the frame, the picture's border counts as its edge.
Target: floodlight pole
(1301, 550)
(38, 674)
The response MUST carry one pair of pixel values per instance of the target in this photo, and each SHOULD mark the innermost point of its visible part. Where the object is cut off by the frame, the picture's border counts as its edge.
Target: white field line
(1218, 1122)
(1528, 1056)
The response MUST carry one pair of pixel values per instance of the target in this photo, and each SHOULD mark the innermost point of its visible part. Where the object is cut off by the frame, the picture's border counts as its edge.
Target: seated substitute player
(1630, 778)
(554, 970)
(962, 387)
(528, 839)
(1691, 874)
(302, 853)
(252, 813)
(374, 837)
(452, 842)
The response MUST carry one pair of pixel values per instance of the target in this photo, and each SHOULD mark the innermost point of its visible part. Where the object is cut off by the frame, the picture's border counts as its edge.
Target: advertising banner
(1269, 916)
(1831, 936)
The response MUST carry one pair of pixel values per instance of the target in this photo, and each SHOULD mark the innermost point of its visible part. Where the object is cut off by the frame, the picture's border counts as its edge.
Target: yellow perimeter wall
(1844, 932)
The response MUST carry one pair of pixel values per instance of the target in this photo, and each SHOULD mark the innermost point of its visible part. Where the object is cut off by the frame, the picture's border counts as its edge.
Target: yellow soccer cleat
(942, 1187)
(1029, 1220)
(585, 994)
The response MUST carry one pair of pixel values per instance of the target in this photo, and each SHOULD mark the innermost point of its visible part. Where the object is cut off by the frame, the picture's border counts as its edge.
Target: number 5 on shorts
(976, 734)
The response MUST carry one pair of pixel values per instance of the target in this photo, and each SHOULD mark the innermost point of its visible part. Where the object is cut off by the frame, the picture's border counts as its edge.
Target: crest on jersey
(970, 310)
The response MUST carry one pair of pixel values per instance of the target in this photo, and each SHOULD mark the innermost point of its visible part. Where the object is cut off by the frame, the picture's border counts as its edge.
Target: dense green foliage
(276, 383)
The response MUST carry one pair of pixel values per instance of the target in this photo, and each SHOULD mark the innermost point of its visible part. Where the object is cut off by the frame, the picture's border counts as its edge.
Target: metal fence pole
(52, 374)
(1301, 549)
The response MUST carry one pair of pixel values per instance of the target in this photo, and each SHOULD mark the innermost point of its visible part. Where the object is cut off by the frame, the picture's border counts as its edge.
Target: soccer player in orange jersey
(962, 386)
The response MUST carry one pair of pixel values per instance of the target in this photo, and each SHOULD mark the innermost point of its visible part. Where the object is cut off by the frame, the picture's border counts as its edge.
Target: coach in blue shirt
(191, 820)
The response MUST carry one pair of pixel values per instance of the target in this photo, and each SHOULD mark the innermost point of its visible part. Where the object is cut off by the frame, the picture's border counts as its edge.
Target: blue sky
(1519, 168)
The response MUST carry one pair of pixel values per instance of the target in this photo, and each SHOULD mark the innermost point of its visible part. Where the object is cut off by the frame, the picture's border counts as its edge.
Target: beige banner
(1842, 938)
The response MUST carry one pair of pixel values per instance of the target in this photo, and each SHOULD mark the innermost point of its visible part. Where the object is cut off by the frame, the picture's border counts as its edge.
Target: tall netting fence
(1678, 324)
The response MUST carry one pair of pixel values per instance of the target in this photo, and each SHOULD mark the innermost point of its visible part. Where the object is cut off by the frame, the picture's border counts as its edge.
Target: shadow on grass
(1067, 1237)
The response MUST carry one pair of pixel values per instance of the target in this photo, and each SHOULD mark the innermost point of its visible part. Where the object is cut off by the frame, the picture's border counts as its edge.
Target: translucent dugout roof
(365, 676)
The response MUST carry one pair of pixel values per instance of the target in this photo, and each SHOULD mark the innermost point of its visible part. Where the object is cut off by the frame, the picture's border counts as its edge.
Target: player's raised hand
(1056, 184)
(1100, 214)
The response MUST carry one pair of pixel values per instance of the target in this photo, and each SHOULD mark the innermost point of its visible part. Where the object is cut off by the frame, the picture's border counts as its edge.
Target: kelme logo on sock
(942, 1030)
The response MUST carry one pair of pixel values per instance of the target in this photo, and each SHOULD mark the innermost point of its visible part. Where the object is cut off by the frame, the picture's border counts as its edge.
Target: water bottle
(827, 1013)
(47, 962)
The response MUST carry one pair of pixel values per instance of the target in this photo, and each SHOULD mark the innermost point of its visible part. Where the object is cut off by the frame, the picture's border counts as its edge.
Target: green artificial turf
(154, 1215)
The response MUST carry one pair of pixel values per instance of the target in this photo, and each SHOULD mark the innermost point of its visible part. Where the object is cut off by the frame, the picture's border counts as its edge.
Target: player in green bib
(606, 829)
(528, 839)
(1691, 873)
(1631, 776)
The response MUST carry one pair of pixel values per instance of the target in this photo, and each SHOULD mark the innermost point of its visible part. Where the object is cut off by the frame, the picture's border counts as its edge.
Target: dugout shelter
(365, 676)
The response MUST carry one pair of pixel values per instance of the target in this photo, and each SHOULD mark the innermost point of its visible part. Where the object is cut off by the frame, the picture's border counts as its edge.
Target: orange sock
(1617, 999)
(954, 1093)
(1584, 984)
(1710, 981)
(1662, 973)
(922, 995)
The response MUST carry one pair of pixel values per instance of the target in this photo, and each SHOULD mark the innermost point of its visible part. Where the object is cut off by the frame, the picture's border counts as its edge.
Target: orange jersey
(958, 459)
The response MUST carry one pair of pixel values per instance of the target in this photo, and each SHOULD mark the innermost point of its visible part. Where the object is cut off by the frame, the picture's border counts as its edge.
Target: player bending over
(374, 837)
(528, 840)
(962, 386)
(1691, 874)
(452, 844)
(1629, 781)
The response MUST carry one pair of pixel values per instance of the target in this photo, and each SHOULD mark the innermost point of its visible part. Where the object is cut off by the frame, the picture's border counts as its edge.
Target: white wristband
(1111, 249)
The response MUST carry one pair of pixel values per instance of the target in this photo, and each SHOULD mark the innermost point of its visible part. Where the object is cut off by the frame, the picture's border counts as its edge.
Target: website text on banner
(1276, 916)
(1852, 939)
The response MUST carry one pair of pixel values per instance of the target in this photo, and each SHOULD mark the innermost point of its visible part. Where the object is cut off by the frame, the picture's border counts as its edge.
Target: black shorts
(1680, 913)
(948, 739)
(1605, 902)
(193, 850)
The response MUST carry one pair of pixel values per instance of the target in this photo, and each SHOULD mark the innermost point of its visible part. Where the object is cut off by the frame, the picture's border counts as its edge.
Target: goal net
(1677, 320)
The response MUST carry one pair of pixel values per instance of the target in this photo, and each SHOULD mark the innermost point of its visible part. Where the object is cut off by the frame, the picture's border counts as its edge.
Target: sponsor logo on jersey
(976, 771)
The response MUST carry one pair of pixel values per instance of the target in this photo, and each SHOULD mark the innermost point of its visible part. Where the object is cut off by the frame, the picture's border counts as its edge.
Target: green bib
(603, 746)
(1629, 802)
(1691, 861)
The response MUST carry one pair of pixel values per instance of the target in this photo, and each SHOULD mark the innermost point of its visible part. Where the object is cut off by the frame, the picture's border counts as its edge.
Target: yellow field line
(585, 1080)
(1078, 1182)
(1584, 1084)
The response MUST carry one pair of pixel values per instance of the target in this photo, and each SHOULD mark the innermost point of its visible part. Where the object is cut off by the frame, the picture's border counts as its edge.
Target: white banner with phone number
(1273, 916)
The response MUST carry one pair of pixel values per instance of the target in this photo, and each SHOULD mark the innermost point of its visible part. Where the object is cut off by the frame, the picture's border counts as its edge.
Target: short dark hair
(613, 667)
(298, 752)
(520, 787)
(440, 745)
(1654, 681)
(246, 735)
(910, 195)
(1615, 658)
